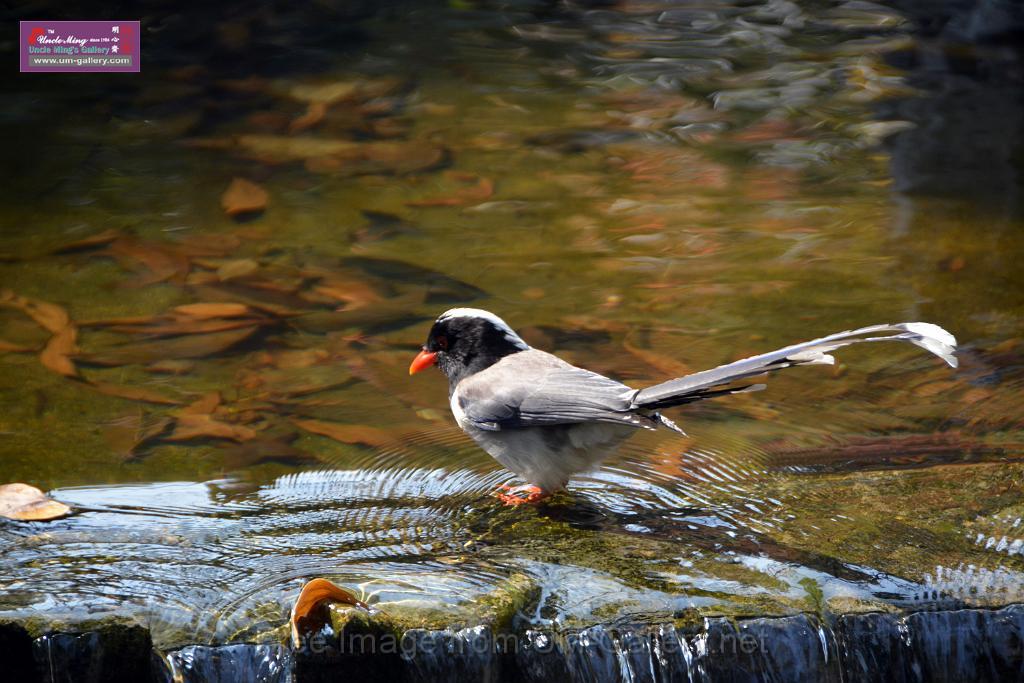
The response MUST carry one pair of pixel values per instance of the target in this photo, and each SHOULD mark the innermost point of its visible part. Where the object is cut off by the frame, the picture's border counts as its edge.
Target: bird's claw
(519, 495)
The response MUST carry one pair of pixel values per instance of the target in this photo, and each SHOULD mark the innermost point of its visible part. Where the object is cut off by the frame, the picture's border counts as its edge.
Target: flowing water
(647, 189)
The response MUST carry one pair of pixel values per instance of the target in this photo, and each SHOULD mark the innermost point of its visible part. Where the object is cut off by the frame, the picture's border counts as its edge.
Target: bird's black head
(467, 340)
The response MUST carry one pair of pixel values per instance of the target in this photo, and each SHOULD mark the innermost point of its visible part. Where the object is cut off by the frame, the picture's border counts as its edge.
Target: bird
(547, 420)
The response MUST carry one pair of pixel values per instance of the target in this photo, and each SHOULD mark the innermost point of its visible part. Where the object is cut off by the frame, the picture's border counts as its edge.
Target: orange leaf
(158, 263)
(204, 406)
(481, 190)
(56, 355)
(189, 346)
(243, 196)
(133, 393)
(204, 311)
(350, 434)
(314, 114)
(11, 347)
(98, 240)
(190, 427)
(50, 317)
(662, 363)
(309, 613)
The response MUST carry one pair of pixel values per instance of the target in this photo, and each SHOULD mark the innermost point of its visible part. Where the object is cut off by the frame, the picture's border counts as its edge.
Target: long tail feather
(710, 383)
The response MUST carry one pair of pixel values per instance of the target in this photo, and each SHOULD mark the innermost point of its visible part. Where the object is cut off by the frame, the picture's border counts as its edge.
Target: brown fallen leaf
(204, 311)
(173, 328)
(151, 262)
(132, 393)
(238, 268)
(296, 359)
(56, 355)
(27, 503)
(55, 319)
(280, 149)
(278, 303)
(243, 197)
(309, 613)
(11, 347)
(171, 367)
(188, 427)
(100, 239)
(204, 406)
(207, 244)
(325, 155)
(400, 158)
(354, 293)
(474, 190)
(264, 449)
(50, 317)
(128, 320)
(664, 364)
(314, 114)
(350, 434)
(189, 346)
(294, 381)
(127, 435)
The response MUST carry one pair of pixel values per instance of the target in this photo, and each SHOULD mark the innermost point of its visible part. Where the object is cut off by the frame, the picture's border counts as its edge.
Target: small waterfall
(974, 645)
(252, 663)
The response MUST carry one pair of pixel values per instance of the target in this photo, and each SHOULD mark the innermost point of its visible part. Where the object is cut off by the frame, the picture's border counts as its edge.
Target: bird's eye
(442, 342)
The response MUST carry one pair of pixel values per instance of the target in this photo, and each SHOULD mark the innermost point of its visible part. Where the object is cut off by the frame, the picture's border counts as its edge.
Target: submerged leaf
(204, 311)
(11, 347)
(664, 364)
(56, 355)
(171, 367)
(350, 434)
(55, 319)
(100, 239)
(237, 268)
(191, 426)
(309, 613)
(129, 434)
(174, 328)
(473, 190)
(243, 197)
(329, 155)
(265, 449)
(27, 503)
(190, 346)
(132, 393)
(314, 115)
(204, 406)
(152, 262)
(51, 317)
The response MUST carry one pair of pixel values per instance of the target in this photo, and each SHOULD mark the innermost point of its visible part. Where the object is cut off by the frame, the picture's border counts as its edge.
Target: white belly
(548, 456)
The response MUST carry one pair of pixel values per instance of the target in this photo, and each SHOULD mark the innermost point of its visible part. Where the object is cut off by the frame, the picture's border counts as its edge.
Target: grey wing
(534, 391)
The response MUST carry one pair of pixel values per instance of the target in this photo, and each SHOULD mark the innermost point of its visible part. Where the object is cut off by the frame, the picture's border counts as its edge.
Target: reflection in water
(647, 190)
(967, 135)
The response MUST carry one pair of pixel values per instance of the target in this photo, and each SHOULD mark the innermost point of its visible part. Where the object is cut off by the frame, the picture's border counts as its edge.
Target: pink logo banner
(79, 46)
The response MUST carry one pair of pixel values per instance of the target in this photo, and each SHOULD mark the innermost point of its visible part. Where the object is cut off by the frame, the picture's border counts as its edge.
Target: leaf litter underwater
(227, 409)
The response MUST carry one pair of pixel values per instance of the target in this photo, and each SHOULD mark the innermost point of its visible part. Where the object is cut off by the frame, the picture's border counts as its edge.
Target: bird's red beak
(424, 359)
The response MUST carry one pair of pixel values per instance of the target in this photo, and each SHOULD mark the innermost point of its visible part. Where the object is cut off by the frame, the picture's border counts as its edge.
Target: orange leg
(518, 495)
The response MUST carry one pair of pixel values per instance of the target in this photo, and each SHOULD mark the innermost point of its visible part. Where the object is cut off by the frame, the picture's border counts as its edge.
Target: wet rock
(16, 646)
(355, 642)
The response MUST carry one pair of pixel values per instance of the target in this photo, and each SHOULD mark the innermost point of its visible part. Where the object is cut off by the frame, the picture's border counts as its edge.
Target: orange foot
(517, 495)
